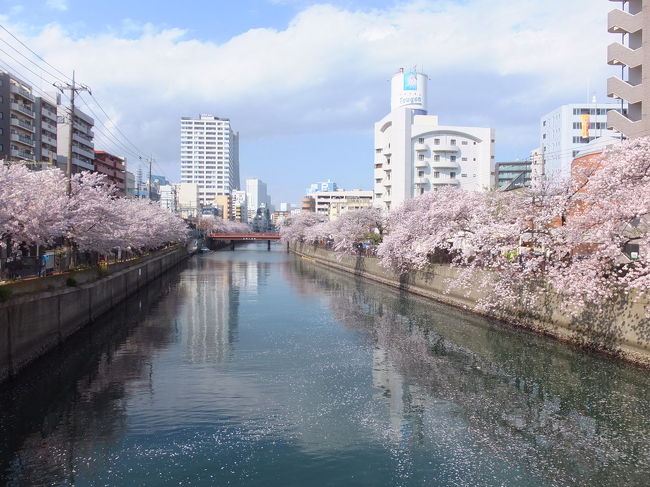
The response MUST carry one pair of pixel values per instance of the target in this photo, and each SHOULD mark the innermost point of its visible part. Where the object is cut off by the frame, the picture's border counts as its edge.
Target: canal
(256, 368)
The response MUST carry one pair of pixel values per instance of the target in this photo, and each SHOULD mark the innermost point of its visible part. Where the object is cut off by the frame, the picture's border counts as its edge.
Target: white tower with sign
(414, 154)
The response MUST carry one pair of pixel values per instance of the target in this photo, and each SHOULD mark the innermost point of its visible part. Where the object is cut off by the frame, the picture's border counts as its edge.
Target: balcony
(620, 55)
(17, 90)
(620, 22)
(420, 163)
(48, 140)
(81, 138)
(17, 122)
(22, 154)
(22, 139)
(445, 164)
(445, 147)
(388, 151)
(617, 88)
(22, 108)
(421, 147)
(624, 125)
(387, 183)
(445, 182)
(49, 115)
(421, 180)
(84, 152)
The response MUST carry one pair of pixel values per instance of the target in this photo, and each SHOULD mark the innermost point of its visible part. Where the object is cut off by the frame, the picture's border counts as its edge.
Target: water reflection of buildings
(210, 312)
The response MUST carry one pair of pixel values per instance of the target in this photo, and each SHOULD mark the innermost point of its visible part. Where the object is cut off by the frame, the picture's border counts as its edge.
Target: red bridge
(244, 237)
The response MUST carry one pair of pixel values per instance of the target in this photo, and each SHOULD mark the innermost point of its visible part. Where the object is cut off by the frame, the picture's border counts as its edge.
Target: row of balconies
(17, 122)
(22, 139)
(620, 22)
(22, 108)
(17, 90)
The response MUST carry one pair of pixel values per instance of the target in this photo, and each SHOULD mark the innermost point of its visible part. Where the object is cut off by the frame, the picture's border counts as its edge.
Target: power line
(27, 68)
(34, 53)
(33, 62)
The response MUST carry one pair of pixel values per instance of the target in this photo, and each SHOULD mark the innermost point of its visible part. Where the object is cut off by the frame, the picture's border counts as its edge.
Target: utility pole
(73, 88)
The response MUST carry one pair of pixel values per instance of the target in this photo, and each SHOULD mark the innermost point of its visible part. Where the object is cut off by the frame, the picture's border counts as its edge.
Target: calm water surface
(256, 368)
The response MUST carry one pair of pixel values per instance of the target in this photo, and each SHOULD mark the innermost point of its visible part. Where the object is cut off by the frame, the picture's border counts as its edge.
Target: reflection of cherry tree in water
(463, 398)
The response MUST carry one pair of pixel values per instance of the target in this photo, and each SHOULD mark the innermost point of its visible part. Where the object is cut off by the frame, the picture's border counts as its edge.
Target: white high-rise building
(209, 156)
(567, 129)
(415, 154)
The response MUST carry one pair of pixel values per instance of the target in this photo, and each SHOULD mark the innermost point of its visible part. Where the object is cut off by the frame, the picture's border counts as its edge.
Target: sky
(304, 81)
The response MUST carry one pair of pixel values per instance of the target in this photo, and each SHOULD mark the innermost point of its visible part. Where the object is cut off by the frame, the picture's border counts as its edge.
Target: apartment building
(566, 130)
(209, 156)
(83, 147)
(17, 120)
(334, 203)
(631, 54)
(513, 175)
(114, 167)
(45, 137)
(415, 154)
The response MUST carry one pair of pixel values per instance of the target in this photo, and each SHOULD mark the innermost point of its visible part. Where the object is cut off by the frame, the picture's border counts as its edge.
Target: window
(420, 174)
(421, 140)
(452, 158)
(463, 175)
(436, 141)
(421, 190)
(543, 136)
(452, 175)
(421, 157)
(436, 157)
(464, 159)
(452, 141)
(544, 123)
(436, 174)
(464, 142)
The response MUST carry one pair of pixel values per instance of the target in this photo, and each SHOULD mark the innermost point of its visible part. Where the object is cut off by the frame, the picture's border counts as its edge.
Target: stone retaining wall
(32, 324)
(620, 329)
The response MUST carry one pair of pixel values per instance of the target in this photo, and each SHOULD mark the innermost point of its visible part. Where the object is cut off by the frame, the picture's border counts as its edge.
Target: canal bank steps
(620, 330)
(41, 313)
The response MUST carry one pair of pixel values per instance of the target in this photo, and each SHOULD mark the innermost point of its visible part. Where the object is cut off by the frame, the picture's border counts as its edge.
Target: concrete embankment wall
(32, 324)
(620, 329)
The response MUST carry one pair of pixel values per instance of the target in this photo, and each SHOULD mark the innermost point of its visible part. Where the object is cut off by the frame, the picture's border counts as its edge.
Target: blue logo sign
(410, 81)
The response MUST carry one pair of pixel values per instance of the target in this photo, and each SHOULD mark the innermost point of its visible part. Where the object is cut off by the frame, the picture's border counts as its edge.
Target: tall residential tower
(209, 156)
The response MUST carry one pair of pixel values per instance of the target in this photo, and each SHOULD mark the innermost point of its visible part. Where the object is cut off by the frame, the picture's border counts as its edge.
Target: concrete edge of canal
(622, 330)
(31, 325)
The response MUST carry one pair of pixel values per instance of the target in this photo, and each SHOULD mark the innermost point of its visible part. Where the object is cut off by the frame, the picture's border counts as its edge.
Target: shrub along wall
(620, 329)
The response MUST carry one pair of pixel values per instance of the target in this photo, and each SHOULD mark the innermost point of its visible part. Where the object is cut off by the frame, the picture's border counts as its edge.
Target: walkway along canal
(258, 368)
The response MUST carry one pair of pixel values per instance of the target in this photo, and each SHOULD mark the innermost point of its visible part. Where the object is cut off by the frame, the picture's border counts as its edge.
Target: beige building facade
(631, 54)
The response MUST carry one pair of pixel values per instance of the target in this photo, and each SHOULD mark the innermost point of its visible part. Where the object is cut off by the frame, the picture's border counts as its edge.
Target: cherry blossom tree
(213, 224)
(296, 227)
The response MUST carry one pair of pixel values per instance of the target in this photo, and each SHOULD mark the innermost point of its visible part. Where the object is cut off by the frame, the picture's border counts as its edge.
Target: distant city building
(328, 185)
(45, 113)
(334, 203)
(566, 130)
(238, 209)
(114, 167)
(262, 222)
(83, 148)
(635, 90)
(187, 200)
(256, 196)
(209, 156)
(130, 184)
(415, 154)
(308, 204)
(223, 203)
(513, 175)
(17, 119)
(168, 197)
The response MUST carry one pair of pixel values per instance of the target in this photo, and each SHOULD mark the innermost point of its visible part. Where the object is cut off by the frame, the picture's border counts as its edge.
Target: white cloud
(327, 69)
(57, 4)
